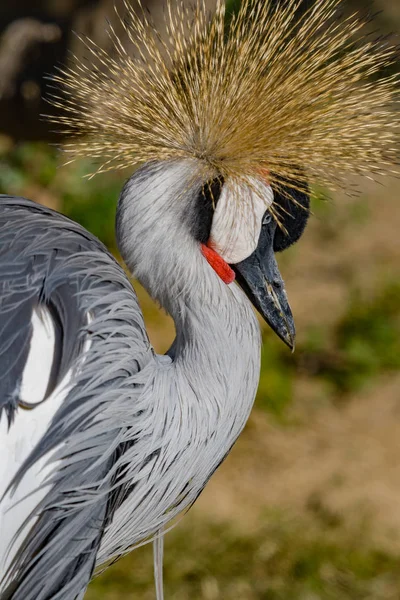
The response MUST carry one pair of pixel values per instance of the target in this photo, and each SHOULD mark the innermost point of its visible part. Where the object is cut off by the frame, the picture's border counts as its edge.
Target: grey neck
(218, 341)
(196, 405)
(220, 325)
(216, 355)
(194, 408)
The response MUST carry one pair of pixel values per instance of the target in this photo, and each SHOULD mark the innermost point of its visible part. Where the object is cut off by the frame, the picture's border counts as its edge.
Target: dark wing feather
(48, 261)
(29, 259)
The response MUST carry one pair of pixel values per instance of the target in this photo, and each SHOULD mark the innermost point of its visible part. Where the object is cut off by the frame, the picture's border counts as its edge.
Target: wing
(71, 338)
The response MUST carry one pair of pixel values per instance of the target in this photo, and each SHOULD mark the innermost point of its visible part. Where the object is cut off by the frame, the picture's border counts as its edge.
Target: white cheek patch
(237, 219)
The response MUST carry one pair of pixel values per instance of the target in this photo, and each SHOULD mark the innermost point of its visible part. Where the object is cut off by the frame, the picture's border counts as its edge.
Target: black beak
(259, 277)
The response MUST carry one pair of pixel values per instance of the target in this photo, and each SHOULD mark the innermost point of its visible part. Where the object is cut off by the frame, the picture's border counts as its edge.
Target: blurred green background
(307, 506)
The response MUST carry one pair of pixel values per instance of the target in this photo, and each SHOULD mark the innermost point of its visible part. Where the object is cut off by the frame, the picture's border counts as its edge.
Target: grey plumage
(137, 436)
(59, 262)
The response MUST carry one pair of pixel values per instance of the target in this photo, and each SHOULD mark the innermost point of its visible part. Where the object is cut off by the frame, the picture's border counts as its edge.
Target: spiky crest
(304, 98)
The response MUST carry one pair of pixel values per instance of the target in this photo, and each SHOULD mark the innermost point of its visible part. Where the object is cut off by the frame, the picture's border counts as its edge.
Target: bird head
(195, 236)
(232, 121)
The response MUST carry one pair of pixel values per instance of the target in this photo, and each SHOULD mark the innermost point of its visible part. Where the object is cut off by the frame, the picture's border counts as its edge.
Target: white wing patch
(26, 431)
(36, 375)
(15, 446)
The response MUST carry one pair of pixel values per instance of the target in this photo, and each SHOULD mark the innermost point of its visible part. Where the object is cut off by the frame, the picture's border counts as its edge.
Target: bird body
(59, 268)
(102, 441)
(149, 430)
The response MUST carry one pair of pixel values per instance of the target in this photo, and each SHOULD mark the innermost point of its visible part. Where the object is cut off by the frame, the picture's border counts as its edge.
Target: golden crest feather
(304, 98)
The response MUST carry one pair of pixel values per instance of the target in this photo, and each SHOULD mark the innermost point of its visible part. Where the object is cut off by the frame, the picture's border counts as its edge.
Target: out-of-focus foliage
(35, 169)
(286, 559)
(364, 344)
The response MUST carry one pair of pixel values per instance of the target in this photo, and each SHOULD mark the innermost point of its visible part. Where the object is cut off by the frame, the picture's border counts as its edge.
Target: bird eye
(205, 205)
(293, 207)
(267, 219)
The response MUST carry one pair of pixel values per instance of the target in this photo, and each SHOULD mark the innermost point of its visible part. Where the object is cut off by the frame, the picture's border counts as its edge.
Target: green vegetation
(26, 164)
(275, 390)
(34, 170)
(366, 340)
(364, 344)
(286, 559)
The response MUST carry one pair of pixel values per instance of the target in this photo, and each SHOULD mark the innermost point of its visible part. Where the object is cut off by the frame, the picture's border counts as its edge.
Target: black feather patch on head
(293, 208)
(206, 203)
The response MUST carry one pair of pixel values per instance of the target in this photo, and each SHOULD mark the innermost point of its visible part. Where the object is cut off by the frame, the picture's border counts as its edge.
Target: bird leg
(158, 553)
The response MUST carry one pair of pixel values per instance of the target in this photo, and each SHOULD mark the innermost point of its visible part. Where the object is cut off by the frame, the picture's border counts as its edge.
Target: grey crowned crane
(103, 442)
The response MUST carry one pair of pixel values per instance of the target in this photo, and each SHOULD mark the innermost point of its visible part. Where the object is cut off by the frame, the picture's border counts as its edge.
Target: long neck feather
(193, 407)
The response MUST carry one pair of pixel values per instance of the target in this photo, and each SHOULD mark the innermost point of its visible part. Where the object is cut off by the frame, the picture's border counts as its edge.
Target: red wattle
(218, 264)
